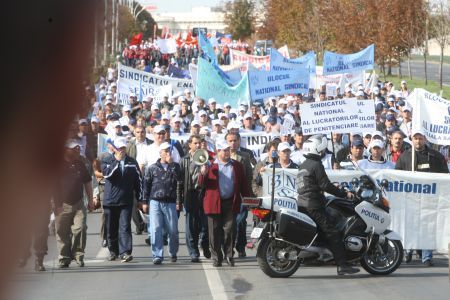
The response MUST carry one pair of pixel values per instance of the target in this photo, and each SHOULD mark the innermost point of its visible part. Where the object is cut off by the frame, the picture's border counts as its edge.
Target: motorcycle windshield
(367, 174)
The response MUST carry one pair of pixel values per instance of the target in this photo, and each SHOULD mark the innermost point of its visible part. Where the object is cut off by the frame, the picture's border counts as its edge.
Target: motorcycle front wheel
(383, 259)
(272, 258)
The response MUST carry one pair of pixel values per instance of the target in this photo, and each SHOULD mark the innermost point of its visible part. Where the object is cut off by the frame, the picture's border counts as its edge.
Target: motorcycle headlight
(366, 193)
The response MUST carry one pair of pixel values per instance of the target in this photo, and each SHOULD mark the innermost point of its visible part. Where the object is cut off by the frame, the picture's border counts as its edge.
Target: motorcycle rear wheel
(269, 262)
(384, 259)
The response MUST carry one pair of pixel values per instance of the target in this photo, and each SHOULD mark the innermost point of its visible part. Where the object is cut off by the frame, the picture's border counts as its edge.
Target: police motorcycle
(288, 237)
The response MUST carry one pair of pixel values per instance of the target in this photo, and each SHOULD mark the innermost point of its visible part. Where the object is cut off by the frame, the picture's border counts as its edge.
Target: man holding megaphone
(225, 184)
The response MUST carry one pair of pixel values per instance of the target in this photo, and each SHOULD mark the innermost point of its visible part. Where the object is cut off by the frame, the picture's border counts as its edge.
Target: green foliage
(240, 18)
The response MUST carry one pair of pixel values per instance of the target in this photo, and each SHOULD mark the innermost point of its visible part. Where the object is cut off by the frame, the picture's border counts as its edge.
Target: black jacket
(163, 185)
(190, 174)
(312, 181)
(428, 160)
(119, 187)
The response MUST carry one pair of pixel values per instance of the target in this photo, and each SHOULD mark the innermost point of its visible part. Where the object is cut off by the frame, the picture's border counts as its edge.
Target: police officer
(312, 182)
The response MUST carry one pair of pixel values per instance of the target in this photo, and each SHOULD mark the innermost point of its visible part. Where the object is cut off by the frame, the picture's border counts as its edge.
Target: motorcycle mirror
(355, 182)
(385, 183)
(344, 185)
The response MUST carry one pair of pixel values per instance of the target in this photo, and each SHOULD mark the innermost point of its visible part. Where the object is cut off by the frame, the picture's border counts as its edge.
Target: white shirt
(142, 152)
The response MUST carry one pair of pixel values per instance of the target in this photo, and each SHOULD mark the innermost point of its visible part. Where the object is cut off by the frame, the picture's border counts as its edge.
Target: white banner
(256, 141)
(143, 83)
(419, 202)
(348, 78)
(432, 115)
(366, 112)
(337, 116)
(167, 45)
(260, 62)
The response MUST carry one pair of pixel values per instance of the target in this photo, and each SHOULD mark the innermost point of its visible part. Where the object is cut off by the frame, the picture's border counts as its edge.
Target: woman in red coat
(224, 183)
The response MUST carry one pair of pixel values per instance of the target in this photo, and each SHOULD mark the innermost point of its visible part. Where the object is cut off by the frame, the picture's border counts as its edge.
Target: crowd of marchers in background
(147, 177)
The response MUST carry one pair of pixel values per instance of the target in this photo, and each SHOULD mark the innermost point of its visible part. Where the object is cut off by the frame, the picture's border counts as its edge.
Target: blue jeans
(163, 215)
(427, 255)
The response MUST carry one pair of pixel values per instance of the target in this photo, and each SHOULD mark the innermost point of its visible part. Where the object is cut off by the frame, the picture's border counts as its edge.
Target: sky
(178, 5)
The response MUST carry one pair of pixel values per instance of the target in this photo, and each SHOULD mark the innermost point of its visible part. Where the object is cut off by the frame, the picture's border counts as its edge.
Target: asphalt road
(418, 71)
(140, 279)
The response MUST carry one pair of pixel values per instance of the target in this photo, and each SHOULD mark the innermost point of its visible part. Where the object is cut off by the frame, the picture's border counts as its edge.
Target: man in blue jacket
(122, 178)
(163, 186)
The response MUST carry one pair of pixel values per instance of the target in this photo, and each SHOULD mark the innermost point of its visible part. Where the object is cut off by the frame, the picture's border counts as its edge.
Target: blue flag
(207, 48)
(211, 85)
(178, 73)
(280, 63)
(334, 63)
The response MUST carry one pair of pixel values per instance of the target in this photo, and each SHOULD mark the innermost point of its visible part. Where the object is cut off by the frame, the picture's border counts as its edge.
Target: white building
(183, 21)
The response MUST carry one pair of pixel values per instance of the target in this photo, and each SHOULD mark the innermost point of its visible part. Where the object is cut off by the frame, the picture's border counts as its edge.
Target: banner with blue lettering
(335, 63)
(142, 83)
(431, 113)
(419, 202)
(206, 47)
(211, 85)
(280, 63)
(275, 83)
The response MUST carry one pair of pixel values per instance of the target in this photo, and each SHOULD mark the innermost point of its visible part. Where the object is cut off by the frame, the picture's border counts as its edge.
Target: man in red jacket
(224, 183)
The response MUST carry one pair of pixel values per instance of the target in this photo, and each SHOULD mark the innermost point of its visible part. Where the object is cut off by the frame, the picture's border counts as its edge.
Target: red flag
(137, 39)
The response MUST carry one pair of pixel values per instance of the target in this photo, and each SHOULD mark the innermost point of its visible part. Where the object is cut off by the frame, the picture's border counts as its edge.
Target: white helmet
(316, 144)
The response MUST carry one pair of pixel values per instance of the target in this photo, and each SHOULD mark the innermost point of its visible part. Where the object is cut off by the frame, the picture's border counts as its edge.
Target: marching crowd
(148, 177)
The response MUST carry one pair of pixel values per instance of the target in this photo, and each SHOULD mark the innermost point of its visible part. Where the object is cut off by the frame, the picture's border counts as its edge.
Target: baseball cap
(403, 82)
(272, 120)
(202, 113)
(164, 146)
(234, 125)
(377, 133)
(158, 129)
(357, 143)
(154, 106)
(176, 119)
(212, 100)
(108, 102)
(165, 116)
(195, 123)
(116, 124)
(390, 117)
(222, 144)
(109, 97)
(407, 108)
(132, 95)
(221, 115)
(186, 91)
(376, 143)
(72, 144)
(120, 143)
(217, 122)
(82, 121)
(204, 130)
(283, 146)
(299, 131)
(248, 115)
(95, 120)
(241, 108)
(359, 94)
(126, 108)
(417, 131)
(147, 99)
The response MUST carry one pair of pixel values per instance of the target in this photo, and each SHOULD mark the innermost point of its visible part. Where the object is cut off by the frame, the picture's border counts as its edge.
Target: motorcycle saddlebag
(295, 227)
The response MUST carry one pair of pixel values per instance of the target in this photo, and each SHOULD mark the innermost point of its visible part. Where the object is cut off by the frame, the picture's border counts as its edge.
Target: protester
(70, 210)
(163, 187)
(122, 178)
(192, 200)
(376, 159)
(426, 160)
(224, 185)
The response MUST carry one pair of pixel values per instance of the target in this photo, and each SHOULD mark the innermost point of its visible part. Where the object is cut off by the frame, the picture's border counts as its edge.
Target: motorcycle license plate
(256, 233)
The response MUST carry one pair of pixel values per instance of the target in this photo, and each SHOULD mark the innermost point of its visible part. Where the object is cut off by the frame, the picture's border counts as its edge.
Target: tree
(240, 18)
(440, 23)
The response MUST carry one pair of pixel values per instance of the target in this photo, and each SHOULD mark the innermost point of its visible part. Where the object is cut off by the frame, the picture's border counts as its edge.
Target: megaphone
(200, 157)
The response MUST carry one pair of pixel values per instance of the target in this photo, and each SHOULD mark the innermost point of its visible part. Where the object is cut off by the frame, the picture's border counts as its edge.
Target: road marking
(214, 282)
